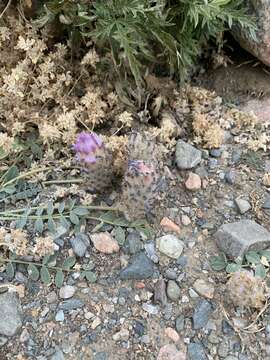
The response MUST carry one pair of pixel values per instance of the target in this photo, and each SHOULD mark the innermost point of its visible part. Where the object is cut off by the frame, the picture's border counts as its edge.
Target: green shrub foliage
(142, 33)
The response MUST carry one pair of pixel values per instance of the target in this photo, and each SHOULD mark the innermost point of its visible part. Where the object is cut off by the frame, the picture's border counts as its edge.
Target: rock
(259, 47)
(101, 356)
(51, 297)
(168, 225)
(180, 323)
(160, 292)
(67, 291)
(227, 329)
(204, 288)
(196, 352)
(216, 153)
(187, 156)
(134, 242)
(171, 274)
(10, 314)
(171, 334)
(223, 349)
(139, 328)
(170, 352)
(25, 336)
(151, 251)
(242, 205)
(150, 309)
(266, 204)
(170, 245)
(58, 355)
(71, 304)
(230, 176)
(60, 316)
(122, 335)
(96, 322)
(104, 243)
(173, 290)
(185, 220)
(3, 341)
(201, 314)
(141, 267)
(79, 244)
(212, 163)
(235, 239)
(193, 182)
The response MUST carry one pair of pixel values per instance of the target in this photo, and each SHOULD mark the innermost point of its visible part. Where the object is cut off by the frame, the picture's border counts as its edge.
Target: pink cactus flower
(86, 147)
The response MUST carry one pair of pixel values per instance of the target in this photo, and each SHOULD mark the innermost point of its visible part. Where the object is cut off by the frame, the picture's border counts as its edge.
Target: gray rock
(171, 274)
(235, 239)
(71, 304)
(151, 251)
(223, 349)
(10, 314)
(187, 156)
(134, 242)
(227, 329)
(216, 153)
(202, 312)
(3, 340)
(242, 205)
(180, 323)
(60, 316)
(266, 204)
(196, 352)
(236, 156)
(150, 308)
(58, 355)
(173, 290)
(141, 267)
(160, 292)
(212, 163)
(230, 176)
(101, 356)
(170, 245)
(79, 244)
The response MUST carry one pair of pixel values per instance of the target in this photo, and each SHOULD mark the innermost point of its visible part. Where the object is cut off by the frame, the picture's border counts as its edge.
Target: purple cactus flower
(86, 146)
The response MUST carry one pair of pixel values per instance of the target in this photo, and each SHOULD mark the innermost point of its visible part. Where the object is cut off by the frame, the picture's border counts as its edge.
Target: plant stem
(36, 264)
(67, 181)
(25, 175)
(89, 207)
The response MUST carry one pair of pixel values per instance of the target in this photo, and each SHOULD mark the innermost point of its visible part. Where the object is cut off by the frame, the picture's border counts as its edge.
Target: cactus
(95, 159)
(142, 182)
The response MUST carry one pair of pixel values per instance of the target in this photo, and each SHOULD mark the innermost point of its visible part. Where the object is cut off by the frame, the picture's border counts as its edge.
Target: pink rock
(193, 182)
(104, 243)
(185, 220)
(171, 334)
(170, 352)
(168, 225)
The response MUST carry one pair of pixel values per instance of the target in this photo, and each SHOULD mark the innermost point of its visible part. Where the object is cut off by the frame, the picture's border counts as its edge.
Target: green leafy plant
(137, 34)
(258, 261)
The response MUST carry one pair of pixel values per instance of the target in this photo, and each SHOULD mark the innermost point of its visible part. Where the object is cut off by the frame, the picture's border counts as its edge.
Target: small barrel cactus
(140, 187)
(95, 159)
(142, 181)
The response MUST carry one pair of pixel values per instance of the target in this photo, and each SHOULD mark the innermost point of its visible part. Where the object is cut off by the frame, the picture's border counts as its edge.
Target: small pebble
(104, 243)
(67, 291)
(193, 182)
(204, 288)
(171, 334)
(60, 316)
(173, 290)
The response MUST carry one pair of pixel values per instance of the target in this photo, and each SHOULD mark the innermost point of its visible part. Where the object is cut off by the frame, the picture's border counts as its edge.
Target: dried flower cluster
(246, 290)
(17, 242)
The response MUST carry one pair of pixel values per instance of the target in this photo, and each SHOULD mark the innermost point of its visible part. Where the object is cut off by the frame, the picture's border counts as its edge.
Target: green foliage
(137, 34)
(259, 261)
